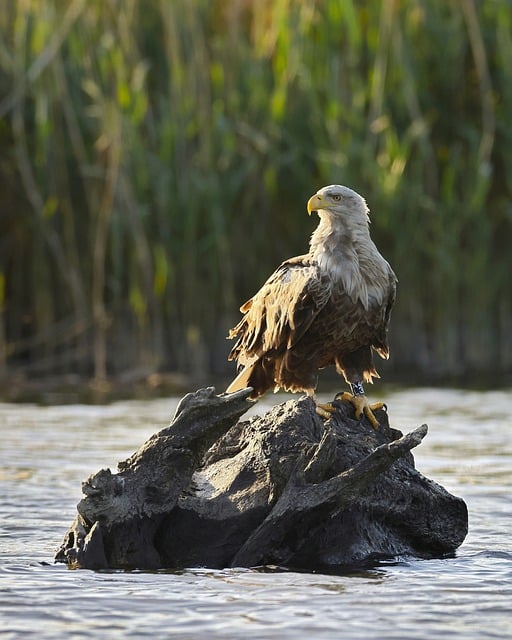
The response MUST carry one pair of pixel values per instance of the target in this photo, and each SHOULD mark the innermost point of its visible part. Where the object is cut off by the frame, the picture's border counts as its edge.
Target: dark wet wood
(285, 488)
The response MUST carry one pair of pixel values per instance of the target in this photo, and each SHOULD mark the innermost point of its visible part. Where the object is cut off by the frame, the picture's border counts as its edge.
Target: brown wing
(380, 342)
(354, 360)
(281, 312)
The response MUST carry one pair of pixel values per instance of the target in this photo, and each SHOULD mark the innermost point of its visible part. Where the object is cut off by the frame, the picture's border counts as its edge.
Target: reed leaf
(158, 155)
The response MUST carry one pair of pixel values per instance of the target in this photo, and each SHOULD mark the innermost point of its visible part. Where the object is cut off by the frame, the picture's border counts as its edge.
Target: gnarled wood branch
(284, 488)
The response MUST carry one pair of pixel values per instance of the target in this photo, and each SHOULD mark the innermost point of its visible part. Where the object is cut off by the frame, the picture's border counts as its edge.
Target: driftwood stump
(285, 489)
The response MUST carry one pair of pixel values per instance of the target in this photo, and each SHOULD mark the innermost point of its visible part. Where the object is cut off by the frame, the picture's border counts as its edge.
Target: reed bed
(158, 154)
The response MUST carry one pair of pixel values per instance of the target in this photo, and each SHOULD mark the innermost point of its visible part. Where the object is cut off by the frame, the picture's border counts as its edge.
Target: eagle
(330, 306)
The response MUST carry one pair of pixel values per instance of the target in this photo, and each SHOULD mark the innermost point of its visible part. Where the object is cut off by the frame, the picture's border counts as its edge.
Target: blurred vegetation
(157, 156)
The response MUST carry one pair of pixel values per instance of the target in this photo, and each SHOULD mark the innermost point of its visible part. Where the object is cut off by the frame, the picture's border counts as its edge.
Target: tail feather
(242, 379)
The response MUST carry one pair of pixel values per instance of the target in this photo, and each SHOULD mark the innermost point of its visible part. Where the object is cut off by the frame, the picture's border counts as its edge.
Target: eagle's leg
(325, 410)
(360, 403)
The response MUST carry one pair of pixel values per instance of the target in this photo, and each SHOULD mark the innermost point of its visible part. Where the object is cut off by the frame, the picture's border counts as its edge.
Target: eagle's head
(339, 202)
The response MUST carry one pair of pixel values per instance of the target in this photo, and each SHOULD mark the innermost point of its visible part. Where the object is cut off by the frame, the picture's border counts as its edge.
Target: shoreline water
(47, 452)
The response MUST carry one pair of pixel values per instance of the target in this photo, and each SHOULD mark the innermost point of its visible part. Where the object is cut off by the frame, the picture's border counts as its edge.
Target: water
(46, 452)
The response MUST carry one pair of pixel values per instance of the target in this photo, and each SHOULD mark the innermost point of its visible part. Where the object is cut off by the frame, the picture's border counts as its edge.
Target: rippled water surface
(46, 452)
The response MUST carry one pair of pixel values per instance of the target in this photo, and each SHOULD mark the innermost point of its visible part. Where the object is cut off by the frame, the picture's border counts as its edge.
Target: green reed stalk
(163, 152)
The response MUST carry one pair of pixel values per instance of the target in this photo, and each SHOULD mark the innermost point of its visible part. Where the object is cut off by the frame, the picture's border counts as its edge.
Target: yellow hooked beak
(315, 203)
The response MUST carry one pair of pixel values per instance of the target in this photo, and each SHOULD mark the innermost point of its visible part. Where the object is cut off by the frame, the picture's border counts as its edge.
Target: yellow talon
(326, 410)
(362, 406)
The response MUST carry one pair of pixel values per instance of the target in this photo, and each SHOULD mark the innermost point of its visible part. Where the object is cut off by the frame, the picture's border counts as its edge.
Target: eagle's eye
(336, 197)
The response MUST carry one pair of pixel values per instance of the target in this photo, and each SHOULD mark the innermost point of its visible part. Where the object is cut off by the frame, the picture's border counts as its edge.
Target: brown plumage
(328, 307)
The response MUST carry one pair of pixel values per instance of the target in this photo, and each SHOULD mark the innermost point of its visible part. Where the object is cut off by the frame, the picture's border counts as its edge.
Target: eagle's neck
(348, 255)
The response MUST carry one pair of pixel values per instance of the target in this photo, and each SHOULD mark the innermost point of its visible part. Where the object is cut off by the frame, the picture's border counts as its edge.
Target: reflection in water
(45, 454)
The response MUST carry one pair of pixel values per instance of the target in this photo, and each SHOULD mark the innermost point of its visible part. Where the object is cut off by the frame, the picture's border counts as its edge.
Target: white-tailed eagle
(328, 307)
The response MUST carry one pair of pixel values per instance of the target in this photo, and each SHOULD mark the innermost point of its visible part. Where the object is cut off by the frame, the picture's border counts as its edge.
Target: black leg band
(357, 388)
